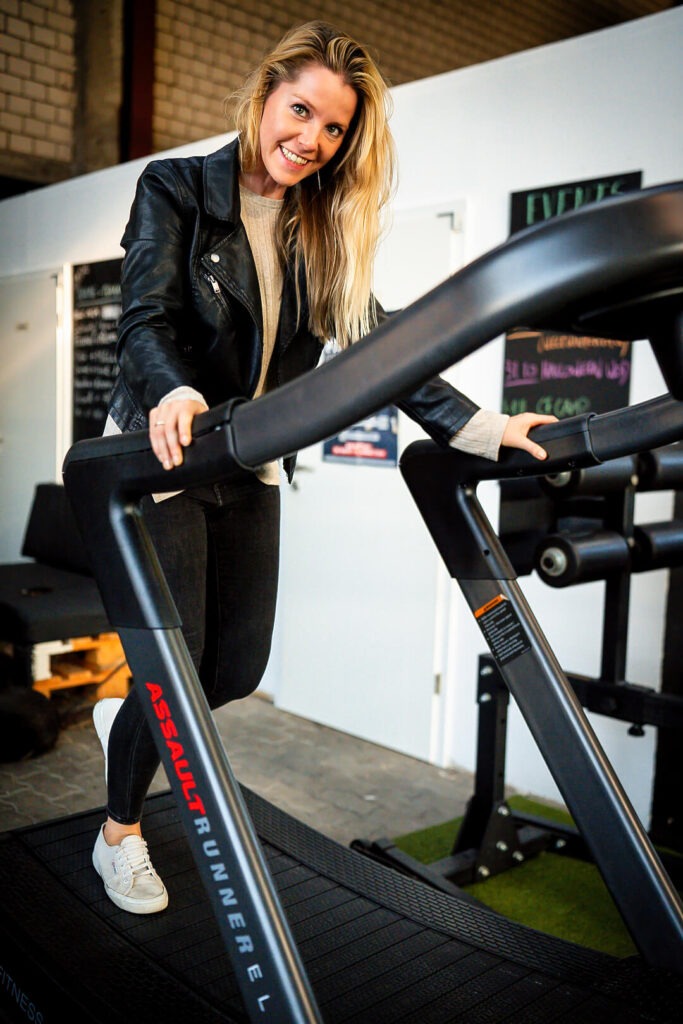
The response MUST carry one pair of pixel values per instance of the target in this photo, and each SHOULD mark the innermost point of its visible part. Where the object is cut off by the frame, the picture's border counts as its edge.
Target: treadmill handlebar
(557, 275)
(572, 443)
(125, 463)
(575, 443)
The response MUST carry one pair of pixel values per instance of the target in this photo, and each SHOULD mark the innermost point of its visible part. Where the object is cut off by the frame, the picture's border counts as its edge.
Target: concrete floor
(342, 786)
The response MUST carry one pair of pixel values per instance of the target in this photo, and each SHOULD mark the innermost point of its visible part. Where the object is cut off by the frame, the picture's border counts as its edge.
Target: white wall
(600, 104)
(597, 105)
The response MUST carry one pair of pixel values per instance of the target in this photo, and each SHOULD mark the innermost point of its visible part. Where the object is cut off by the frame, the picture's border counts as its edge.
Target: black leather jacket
(191, 308)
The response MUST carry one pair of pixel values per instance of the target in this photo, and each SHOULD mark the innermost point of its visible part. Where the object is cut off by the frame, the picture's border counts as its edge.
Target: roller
(565, 559)
(661, 469)
(658, 546)
(607, 478)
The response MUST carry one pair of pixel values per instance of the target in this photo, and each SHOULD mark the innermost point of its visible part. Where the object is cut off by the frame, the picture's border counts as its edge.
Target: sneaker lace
(135, 857)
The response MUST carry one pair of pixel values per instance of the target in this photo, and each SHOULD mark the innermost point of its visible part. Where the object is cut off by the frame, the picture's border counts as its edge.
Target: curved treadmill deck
(378, 946)
(374, 946)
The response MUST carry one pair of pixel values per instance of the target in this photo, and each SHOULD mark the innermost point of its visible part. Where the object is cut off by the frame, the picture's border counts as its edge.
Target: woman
(238, 266)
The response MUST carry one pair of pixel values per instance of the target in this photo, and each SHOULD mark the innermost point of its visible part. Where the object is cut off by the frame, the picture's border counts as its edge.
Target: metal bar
(635, 877)
(269, 972)
(489, 777)
(619, 510)
(629, 702)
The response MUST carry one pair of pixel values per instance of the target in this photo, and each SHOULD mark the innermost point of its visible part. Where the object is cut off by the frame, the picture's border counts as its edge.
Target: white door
(28, 399)
(359, 576)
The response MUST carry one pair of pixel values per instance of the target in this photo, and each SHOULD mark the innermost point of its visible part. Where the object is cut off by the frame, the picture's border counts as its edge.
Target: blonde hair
(330, 223)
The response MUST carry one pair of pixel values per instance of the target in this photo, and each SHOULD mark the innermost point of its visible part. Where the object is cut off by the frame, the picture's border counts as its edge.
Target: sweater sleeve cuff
(482, 434)
(184, 392)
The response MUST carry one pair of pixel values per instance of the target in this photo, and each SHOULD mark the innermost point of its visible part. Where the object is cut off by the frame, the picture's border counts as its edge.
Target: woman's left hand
(517, 430)
(170, 428)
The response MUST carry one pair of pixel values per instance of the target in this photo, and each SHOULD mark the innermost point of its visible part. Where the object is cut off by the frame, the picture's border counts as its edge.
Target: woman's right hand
(170, 429)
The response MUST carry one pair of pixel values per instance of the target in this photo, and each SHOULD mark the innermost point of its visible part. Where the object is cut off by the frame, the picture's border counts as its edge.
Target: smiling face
(304, 123)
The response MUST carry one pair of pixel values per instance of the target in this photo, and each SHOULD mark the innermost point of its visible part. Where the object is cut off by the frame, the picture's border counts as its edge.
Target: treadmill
(269, 920)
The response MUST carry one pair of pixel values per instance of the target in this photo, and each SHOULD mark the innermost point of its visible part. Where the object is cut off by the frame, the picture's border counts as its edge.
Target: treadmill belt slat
(378, 947)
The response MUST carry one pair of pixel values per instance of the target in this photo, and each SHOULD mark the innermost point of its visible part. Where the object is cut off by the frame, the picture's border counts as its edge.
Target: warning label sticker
(500, 625)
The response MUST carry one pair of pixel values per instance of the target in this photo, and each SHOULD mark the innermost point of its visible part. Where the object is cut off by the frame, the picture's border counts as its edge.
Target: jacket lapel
(230, 261)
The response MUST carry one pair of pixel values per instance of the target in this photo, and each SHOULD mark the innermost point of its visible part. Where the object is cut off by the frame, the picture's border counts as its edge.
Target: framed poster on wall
(372, 442)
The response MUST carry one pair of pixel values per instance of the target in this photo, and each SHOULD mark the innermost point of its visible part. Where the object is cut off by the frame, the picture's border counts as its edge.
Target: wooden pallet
(96, 661)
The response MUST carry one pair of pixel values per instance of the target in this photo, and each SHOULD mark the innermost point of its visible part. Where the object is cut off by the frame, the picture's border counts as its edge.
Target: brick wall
(37, 88)
(201, 56)
(61, 61)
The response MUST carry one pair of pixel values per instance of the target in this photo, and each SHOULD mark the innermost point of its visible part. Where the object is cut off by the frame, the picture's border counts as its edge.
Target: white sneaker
(104, 713)
(129, 879)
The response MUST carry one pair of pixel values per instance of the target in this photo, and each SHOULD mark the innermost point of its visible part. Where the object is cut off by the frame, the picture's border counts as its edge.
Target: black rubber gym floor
(378, 946)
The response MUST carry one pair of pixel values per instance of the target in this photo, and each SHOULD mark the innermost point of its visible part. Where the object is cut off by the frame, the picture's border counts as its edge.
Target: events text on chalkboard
(538, 204)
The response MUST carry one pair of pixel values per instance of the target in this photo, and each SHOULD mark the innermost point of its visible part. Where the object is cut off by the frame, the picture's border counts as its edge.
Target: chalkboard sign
(560, 374)
(538, 204)
(564, 374)
(96, 311)
(557, 374)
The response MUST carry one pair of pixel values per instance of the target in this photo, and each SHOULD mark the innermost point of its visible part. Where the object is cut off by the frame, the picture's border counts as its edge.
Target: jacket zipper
(216, 288)
(215, 285)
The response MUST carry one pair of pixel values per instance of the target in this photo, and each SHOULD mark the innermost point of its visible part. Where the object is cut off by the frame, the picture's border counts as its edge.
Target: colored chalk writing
(564, 374)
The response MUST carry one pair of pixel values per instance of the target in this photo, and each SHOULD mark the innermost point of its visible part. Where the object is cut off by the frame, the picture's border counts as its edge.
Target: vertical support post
(489, 781)
(137, 108)
(618, 517)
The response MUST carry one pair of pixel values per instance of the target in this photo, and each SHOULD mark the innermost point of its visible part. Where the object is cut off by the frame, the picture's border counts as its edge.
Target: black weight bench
(52, 597)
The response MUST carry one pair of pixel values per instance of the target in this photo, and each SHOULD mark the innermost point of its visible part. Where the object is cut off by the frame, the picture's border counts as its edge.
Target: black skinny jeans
(219, 549)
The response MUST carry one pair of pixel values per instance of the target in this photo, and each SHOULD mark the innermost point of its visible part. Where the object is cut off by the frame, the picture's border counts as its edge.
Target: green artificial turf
(556, 894)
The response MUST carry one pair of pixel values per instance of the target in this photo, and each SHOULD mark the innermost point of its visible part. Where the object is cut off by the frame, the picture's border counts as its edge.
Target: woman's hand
(516, 433)
(170, 429)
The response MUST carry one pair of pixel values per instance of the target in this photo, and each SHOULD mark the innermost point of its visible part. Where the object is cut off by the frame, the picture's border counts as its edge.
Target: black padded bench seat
(39, 603)
(54, 596)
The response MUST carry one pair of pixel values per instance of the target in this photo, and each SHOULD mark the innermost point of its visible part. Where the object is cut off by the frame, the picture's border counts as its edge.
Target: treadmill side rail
(641, 889)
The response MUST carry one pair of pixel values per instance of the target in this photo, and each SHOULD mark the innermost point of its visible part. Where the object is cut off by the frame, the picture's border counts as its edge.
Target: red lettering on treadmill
(169, 730)
(162, 709)
(176, 749)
